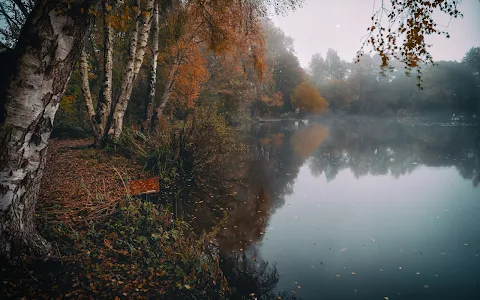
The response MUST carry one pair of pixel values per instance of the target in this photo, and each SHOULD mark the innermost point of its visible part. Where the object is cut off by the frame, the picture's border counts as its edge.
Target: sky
(341, 24)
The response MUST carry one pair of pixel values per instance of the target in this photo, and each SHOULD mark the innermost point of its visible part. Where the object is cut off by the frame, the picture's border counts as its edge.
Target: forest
(123, 90)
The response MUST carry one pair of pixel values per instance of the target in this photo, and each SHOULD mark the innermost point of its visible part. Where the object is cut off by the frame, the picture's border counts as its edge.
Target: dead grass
(81, 185)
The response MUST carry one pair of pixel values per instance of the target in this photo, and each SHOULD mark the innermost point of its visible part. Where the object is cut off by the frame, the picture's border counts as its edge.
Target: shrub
(195, 149)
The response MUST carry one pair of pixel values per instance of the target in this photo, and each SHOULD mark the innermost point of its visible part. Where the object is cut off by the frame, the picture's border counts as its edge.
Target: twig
(29, 272)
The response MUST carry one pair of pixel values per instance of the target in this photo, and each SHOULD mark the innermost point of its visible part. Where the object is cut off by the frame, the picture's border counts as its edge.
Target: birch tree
(153, 66)
(47, 49)
(107, 120)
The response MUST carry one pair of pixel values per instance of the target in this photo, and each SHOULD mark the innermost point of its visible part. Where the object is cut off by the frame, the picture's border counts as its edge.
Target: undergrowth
(139, 252)
(196, 148)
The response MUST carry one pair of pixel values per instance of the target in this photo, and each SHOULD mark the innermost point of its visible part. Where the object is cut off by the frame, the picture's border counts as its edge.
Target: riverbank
(108, 245)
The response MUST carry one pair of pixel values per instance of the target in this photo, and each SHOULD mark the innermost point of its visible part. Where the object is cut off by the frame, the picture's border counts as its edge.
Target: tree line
(364, 87)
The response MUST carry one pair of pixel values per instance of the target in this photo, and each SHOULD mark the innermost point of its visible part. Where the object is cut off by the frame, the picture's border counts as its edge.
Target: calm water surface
(358, 209)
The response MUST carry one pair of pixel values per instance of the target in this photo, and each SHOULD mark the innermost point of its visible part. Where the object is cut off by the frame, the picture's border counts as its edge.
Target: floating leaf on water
(187, 286)
(353, 273)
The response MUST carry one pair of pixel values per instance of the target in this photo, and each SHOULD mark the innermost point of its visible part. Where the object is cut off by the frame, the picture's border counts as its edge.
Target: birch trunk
(105, 100)
(166, 94)
(133, 67)
(87, 97)
(153, 67)
(48, 47)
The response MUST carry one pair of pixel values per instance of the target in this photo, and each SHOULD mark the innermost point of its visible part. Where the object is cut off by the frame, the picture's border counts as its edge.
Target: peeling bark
(98, 118)
(137, 53)
(48, 47)
(105, 99)
(153, 67)
(87, 98)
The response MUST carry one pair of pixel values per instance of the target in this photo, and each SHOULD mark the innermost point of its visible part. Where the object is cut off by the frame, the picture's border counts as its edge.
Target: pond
(357, 208)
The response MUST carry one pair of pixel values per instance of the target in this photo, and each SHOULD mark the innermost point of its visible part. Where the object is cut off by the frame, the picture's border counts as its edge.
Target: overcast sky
(341, 24)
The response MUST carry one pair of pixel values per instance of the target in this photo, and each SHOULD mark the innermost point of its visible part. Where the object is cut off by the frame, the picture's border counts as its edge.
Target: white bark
(87, 97)
(153, 66)
(46, 52)
(105, 103)
(137, 53)
(98, 118)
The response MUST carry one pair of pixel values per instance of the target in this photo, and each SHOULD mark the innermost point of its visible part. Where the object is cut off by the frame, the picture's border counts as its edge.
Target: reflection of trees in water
(257, 183)
(254, 185)
(251, 278)
(266, 174)
(379, 147)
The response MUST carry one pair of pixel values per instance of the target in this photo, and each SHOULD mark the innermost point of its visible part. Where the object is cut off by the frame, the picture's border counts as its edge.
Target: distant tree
(335, 67)
(338, 93)
(307, 99)
(287, 74)
(317, 69)
(472, 60)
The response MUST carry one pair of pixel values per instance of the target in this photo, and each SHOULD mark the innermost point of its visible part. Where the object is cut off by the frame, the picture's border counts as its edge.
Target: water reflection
(387, 147)
(292, 201)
